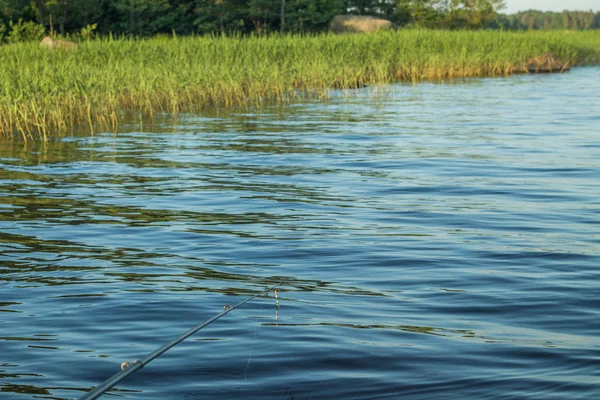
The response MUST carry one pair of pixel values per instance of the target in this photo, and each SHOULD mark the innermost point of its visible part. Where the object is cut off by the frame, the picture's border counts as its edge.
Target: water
(437, 241)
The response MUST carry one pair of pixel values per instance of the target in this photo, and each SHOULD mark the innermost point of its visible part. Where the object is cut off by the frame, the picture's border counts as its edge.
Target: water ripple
(439, 241)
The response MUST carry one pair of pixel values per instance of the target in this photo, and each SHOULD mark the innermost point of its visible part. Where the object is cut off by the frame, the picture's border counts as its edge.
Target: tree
(422, 13)
(211, 15)
(475, 14)
(312, 15)
(596, 21)
(143, 17)
(58, 11)
(263, 14)
(40, 9)
(282, 18)
(566, 19)
(149, 17)
(15, 9)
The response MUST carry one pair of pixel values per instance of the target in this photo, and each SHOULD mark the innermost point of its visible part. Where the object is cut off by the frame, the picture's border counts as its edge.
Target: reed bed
(52, 92)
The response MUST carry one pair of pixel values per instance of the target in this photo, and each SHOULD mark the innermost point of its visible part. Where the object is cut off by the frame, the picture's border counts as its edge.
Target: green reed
(52, 92)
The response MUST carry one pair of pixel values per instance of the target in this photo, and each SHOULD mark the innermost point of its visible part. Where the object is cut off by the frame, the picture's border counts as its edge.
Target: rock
(49, 43)
(546, 63)
(358, 24)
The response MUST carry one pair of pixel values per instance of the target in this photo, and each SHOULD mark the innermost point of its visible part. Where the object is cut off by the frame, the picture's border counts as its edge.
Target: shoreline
(53, 92)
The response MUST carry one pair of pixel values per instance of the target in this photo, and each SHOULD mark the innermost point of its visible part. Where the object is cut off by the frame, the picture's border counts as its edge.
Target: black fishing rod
(129, 368)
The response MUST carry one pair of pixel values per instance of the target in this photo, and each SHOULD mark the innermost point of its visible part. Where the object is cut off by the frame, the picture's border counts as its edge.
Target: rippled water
(436, 241)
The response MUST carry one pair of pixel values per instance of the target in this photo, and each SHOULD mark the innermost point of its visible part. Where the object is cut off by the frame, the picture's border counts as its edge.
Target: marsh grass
(51, 92)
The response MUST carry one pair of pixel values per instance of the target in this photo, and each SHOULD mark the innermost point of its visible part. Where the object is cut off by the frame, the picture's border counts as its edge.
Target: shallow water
(436, 241)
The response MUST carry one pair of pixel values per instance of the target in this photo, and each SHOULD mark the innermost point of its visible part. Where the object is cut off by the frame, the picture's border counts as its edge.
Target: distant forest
(539, 20)
(184, 17)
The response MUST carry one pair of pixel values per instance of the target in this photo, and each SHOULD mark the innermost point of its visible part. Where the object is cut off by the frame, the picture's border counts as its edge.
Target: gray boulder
(358, 24)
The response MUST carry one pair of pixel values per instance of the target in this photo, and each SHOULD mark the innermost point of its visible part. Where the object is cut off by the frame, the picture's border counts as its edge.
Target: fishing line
(255, 339)
(276, 296)
(129, 368)
(246, 369)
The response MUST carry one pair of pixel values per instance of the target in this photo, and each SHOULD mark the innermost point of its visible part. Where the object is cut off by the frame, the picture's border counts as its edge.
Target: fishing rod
(129, 368)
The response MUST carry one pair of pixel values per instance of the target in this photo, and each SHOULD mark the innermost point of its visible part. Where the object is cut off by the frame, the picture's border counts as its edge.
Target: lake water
(435, 241)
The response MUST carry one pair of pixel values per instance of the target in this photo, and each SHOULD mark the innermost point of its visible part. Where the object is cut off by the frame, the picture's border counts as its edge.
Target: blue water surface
(435, 241)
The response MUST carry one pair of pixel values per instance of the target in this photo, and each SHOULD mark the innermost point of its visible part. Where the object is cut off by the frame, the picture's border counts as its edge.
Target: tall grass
(44, 92)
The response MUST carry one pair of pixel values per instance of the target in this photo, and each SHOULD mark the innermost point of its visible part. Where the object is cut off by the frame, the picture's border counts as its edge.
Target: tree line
(532, 19)
(184, 17)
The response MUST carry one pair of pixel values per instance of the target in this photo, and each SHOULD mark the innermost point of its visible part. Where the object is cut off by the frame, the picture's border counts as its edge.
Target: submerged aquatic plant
(46, 92)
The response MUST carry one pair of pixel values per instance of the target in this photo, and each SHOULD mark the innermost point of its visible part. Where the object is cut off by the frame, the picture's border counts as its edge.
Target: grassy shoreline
(45, 93)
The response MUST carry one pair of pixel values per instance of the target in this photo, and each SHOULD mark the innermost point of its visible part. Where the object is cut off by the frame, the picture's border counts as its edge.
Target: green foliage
(473, 14)
(88, 32)
(143, 18)
(48, 92)
(263, 15)
(27, 31)
(538, 20)
(378, 8)
(402, 13)
(311, 15)
(448, 14)
(15, 9)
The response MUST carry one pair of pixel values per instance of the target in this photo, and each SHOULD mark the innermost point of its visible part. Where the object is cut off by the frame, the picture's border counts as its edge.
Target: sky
(513, 6)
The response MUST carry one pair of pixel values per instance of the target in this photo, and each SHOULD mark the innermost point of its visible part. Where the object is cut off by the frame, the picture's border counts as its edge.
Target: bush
(25, 31)
(88, 32)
